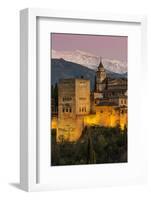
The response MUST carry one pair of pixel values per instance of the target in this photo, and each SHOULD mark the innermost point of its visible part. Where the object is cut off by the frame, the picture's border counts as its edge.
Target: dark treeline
(54, 96)
(96, 145)
(54, 91)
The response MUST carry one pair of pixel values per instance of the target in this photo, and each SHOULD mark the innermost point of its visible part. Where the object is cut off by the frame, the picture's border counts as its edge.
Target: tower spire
(100, 65)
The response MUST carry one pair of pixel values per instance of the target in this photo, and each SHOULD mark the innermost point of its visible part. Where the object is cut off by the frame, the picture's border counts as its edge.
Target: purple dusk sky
(112, 47)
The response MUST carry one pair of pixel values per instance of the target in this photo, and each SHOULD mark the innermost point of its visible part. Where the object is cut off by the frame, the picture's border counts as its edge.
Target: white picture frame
(29, 148)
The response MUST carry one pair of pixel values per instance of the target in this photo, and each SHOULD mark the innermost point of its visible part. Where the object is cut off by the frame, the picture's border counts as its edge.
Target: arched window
(122, 111)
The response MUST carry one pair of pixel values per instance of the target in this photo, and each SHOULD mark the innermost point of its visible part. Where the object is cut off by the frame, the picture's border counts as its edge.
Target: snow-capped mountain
(91, 61)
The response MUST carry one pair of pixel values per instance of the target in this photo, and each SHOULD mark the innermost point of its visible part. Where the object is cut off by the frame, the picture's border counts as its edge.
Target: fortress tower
(100, 78)
(73, 105)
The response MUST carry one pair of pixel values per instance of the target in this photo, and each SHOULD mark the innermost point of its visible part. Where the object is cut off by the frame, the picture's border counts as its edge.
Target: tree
(56, 96)
(52, 91)
(95, 83)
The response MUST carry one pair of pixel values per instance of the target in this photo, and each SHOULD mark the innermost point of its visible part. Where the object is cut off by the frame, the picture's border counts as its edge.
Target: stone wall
(108, 116)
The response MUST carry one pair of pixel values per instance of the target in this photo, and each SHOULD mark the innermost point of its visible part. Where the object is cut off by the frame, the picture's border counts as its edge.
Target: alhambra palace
(78, 107)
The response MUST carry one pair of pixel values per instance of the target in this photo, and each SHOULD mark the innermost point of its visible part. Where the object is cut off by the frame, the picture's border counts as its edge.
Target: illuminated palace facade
(78, 107)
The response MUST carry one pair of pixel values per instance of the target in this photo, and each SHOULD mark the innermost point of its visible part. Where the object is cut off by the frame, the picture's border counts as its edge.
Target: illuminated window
(82, 98)
(66, 98)
(82, 84)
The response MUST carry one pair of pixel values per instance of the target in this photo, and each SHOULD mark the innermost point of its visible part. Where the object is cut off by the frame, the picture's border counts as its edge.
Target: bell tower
(100, 77)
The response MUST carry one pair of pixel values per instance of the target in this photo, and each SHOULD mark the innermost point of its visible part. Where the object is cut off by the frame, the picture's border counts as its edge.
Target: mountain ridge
(61, 69)
(91, 61)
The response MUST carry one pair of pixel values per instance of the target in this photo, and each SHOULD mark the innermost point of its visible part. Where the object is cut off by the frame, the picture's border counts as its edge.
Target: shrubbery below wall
(97, 145)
